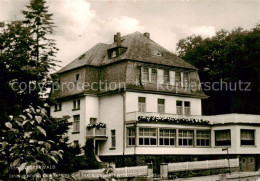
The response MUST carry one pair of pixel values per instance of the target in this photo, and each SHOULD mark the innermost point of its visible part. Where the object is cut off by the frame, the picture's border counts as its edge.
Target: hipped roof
(139, 48)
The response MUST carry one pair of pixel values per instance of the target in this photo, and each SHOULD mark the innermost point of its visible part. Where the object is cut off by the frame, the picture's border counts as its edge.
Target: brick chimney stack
(147, 35)
(117, 39)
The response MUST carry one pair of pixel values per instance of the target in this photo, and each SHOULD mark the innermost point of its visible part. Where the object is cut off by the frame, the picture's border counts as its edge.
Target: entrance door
(248, 163)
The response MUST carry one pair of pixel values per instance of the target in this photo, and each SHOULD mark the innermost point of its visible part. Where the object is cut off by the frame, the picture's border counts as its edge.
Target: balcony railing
(215, 119)
(133, 116)
(96, 133)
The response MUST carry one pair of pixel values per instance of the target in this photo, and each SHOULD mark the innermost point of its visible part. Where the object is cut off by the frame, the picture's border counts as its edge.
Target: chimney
(117, 39)
(147, 35)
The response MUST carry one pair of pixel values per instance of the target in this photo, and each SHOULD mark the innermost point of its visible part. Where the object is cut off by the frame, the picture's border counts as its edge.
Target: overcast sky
(82, 24)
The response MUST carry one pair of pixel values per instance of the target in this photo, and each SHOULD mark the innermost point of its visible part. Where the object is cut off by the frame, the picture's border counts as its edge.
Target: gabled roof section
(139, 48)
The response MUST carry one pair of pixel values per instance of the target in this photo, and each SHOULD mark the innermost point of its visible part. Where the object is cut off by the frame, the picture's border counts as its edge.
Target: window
(113, 54)
(76, 104)
(203, 138)
(141, 104)
(161, 106)
(157, 53)
(179, 107)
(130, 136)
(185, 80)
(147, 136)
(77, 77)
(145, 75)
(113, 138)
(167, 137)
(154, 75)
(166, 76)
(187, 108)
(76, 123)
(178, 78)
(75, 143)
(93, 120)
(57, 107)
(247, 137)
(186, 137)
(223, 138)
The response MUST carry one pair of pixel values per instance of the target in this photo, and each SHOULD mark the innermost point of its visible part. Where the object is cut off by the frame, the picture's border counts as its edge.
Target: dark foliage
(230, 57)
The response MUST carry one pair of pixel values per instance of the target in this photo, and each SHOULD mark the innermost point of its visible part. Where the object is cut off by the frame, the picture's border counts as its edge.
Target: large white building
(141, 103)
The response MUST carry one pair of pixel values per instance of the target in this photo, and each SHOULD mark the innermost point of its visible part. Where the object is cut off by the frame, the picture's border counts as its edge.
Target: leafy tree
(15, 42)
(41, 25)
(27, 55)
(26, 147)
(88, 160)
(232, 57)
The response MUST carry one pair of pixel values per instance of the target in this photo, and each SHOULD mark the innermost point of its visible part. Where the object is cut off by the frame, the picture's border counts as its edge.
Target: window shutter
(172, 77)
(150, 75)
(160, 76)
(182, 80)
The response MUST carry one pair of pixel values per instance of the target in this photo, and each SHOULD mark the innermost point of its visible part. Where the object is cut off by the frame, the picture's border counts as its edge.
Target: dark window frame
(76, 104)
(179, 107)
(76, 123)
(167, 140)
(145, 74)
(203, 141)
(185, 141)
(154, 75)
(131, 136)
(161, 105)
(224, 142)
(141, 104)
(77, 77)
(187, 107)
(113, 138)
(92, 120)
(58, 107)
(147, 137)
(166, 76)
(247, 142)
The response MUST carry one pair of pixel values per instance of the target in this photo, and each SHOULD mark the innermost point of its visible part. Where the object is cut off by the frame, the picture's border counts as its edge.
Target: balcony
(97, 133)
(213, 120)
(133, 116)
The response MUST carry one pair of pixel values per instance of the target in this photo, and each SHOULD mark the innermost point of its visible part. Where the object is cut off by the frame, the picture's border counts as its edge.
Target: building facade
(141, 103)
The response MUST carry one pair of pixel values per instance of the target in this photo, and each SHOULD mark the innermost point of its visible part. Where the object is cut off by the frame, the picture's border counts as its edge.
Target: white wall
(67, 107)
(235, 147)
(111, 113)
(91, 108)
(151, 103)
(109, 110)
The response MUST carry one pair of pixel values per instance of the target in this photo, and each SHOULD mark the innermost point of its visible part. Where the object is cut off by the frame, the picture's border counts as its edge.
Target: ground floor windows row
(185, 138)
(167, 137)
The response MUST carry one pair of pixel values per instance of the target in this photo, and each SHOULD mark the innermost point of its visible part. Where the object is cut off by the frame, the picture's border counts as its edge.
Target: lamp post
(226, 149)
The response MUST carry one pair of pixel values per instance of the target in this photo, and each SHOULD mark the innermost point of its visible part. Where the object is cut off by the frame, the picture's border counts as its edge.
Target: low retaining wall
(209, 167)
(123, 172)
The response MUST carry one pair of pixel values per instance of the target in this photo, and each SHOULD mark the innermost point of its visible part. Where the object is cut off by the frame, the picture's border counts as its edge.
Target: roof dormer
(119, 49)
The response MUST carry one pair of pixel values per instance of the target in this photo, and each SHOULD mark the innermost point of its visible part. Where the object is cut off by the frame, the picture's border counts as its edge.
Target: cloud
(11, 10)
(125, 24)
(205, 31)
(79, 28)
(172, 33)
(73, 18)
